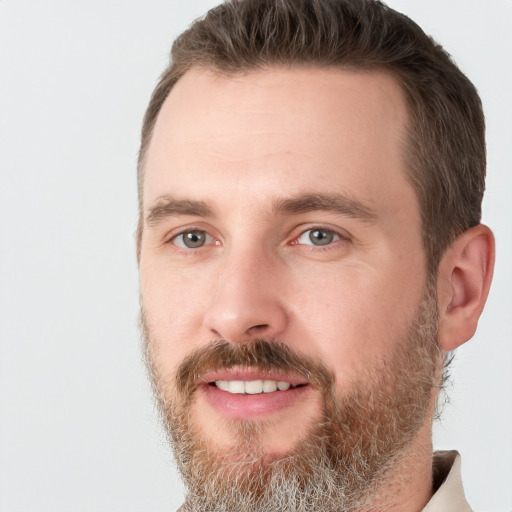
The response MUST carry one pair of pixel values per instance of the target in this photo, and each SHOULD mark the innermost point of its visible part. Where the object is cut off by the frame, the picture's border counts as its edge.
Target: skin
(239, 144)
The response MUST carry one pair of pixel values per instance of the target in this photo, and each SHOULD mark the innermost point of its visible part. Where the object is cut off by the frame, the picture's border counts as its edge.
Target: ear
(464, 278)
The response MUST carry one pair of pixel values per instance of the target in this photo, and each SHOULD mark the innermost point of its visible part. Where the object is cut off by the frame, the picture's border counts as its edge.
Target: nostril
(260, 327)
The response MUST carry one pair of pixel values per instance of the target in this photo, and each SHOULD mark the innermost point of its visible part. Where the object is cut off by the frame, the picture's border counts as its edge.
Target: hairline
(407, 144)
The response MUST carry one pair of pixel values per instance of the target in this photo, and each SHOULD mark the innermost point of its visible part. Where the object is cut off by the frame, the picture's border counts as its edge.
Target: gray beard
(348, 452)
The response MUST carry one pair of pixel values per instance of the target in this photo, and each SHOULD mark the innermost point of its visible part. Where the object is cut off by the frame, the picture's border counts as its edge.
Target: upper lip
(246, 374)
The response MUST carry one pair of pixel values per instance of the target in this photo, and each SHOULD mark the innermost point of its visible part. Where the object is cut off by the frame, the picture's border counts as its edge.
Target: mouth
(248, 394)
(253, 387)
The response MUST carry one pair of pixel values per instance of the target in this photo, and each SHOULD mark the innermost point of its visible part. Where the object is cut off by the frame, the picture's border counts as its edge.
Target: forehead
(280, 130)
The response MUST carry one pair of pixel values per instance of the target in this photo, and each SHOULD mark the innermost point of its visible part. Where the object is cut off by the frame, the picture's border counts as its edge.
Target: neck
(409, 487)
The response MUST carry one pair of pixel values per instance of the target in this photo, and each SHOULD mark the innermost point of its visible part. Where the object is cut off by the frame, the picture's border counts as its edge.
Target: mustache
(264, 354)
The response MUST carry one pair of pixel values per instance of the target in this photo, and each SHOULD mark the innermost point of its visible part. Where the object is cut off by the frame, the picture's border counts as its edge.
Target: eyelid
(208, 239)
(336, 237)
(341, 233)
(182, 230)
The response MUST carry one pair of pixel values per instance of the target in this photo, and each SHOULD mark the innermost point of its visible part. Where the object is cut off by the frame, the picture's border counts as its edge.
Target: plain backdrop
(78, 430)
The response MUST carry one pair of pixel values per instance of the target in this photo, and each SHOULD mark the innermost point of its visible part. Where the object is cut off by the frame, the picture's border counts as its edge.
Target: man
(310, 251)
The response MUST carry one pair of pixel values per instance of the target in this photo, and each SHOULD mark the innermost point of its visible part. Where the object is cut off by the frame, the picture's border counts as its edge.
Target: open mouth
(253, 387)
(249, 393)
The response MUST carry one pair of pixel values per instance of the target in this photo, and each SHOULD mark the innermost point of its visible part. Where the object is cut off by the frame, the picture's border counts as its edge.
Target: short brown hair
(445, 150)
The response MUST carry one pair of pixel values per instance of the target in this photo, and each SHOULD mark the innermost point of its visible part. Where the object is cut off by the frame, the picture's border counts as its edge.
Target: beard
(347, 453)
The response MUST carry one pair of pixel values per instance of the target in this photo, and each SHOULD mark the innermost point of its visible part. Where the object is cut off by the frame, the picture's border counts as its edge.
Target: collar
(449, 493)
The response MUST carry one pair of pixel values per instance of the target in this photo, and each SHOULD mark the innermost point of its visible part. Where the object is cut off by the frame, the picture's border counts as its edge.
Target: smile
(249, 393)
(253, 387)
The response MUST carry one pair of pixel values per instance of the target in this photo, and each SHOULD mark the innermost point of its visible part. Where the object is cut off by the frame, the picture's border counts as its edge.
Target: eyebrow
(168, 206)
(341, 204)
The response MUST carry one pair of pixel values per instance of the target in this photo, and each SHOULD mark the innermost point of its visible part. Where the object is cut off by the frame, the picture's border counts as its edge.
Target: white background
(78, 431)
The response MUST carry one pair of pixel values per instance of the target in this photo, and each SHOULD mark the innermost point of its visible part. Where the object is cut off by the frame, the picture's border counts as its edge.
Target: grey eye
(318, 237)
(191, 239)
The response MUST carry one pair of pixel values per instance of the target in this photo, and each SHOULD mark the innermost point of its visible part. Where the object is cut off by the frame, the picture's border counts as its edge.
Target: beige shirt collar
(447, 479)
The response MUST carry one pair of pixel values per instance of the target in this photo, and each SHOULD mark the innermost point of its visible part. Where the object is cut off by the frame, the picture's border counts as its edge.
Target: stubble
(347, 452)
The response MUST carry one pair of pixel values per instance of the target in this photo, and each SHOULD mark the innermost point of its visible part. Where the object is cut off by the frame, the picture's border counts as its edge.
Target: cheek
(353, 317)
(173, 308)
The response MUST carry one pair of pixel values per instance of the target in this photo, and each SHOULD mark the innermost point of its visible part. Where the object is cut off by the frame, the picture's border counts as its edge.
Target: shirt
(449, 496)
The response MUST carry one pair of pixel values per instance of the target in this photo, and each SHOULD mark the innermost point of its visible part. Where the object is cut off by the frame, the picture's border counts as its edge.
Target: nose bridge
(240, 269)
(245, 302)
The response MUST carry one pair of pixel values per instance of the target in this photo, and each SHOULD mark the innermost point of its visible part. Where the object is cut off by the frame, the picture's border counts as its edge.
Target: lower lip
(252, 406)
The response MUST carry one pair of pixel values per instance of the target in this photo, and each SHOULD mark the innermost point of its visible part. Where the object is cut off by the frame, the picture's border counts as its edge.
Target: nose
(247, 301)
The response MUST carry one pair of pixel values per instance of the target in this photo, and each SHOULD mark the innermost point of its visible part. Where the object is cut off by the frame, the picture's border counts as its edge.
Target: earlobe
(464, 278)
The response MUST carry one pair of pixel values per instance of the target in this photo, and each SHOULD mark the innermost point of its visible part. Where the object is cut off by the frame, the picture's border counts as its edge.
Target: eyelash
(188, 250)
(343, 238)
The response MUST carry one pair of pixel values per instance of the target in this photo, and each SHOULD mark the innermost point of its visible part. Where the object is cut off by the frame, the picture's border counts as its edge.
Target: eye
(318, 237)
(193, 239)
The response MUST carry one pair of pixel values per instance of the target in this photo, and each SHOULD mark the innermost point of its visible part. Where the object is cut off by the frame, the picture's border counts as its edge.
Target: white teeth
(269, 386)
(222, 384)
(251, 387)
(236, 386)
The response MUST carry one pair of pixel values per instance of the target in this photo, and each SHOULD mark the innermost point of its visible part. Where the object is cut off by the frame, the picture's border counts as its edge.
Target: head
(310, 181)
(445, 141)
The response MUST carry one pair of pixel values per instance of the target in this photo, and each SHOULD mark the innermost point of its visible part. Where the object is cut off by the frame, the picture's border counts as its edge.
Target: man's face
(276, 207)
